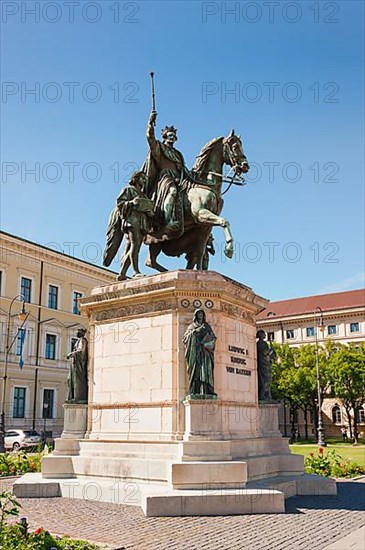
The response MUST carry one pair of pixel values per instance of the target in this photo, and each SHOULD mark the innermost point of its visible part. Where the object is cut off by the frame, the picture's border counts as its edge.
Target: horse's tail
(114, 237)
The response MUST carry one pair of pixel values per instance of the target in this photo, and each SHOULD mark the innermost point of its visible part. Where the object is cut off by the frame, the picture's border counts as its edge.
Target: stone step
(271, 465)
(286, 484)
(259, 497)
(194, 475)
(33, 485)
(304, 484)
(181, 475)
(212, 502)
(155, 499)
(118, 468)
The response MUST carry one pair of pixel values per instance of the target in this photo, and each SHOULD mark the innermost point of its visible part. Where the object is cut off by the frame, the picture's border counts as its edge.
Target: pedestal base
(75, 421)
(267, 497)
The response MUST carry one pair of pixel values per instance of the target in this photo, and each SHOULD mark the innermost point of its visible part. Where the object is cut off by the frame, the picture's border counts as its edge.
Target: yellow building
(339, 316)
(51, 284)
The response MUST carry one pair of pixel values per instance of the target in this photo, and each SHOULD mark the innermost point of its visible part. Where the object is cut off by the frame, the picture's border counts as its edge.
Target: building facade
(50, 284)
(339, 316)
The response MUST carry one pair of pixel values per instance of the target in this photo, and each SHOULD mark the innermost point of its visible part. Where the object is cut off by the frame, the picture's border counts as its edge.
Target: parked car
(22, 439)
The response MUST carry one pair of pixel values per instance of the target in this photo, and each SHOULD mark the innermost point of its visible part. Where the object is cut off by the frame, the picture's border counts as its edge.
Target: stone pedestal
(214, 420)
(183, 456)
(75, 421)
(138, 364)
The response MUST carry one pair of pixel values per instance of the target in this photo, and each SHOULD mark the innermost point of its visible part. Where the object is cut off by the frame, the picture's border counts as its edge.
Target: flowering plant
(12, 464)
(330, 464)
(16, 536)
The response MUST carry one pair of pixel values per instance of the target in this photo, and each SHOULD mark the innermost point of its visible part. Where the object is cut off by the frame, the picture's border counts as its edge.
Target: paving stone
(309, 523)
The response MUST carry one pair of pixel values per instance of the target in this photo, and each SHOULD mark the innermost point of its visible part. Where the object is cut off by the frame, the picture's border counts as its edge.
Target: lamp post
(319, 325)
(23, 316)
(45, 410)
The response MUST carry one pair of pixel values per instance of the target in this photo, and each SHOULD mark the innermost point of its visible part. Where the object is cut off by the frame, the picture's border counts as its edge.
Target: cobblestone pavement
(310, 523)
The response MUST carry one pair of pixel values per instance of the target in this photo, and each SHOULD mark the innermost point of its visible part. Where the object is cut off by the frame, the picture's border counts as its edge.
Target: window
(360, 415)
(11, 433)
(354, 327)
(290, 334)
(19, 403)
(53, 297)
(310, 331)
(331, 329)
(50, 346)
(271, 336)
(75, 302)
(336, 415)
(26, 289)
(48, 401)
(20, 341)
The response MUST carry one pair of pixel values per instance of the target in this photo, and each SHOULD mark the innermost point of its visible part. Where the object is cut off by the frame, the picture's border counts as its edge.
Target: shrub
(9, 506)
(12, 464)
(330, 464)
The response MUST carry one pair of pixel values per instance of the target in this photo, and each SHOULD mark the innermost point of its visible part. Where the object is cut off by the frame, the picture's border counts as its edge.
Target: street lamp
(23, 316)
(319, 325)
(45, 409)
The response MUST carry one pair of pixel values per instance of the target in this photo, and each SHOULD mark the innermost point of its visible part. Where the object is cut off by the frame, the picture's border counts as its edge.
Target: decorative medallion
(197, 303)
(185, 303)
(209, 304)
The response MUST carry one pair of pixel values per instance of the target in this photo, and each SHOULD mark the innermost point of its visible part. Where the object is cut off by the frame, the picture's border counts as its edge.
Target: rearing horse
(202, 203)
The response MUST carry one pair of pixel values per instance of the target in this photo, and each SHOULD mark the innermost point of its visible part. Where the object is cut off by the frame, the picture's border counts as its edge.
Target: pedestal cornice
(170, 291)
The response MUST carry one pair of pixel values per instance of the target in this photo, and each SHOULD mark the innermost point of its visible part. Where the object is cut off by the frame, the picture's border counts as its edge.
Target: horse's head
(234, 155)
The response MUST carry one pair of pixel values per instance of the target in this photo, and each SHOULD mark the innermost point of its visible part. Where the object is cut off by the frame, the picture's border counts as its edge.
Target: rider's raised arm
(150, 134)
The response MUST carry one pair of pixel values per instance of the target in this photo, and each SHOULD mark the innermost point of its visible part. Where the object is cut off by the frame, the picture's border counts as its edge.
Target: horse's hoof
(228, 250)
(121, 278)
(138, 275)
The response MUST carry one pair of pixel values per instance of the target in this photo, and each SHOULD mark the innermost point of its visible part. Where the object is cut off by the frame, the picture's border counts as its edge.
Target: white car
(22, 439)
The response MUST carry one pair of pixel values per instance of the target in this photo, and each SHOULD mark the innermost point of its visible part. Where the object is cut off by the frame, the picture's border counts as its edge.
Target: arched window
(360, 415)
(336, 415)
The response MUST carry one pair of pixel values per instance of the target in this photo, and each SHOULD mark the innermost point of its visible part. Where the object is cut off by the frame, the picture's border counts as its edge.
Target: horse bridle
(230, 158)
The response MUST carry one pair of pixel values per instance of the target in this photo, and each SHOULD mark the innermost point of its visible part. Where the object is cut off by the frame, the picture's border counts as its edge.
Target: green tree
(347, 378)
(295, 378)
(305, 359)
(285, 383)
(284, 361)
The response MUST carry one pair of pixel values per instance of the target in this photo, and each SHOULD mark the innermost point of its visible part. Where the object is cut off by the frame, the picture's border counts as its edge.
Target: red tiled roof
(327, 302)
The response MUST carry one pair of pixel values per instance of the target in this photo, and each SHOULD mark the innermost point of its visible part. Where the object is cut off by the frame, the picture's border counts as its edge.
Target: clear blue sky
(309, 120)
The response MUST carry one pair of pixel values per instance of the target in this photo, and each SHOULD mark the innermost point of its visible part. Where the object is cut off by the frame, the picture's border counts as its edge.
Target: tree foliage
(347, 379)
(341, 372)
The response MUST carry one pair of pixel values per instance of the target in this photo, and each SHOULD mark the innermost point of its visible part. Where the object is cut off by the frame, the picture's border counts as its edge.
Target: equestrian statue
(173, 209)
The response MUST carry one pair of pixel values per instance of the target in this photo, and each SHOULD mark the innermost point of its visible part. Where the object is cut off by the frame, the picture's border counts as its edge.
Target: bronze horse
(203, 203)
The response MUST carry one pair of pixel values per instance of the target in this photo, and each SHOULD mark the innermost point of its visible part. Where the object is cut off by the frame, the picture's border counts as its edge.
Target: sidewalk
(311, 523)
(354, 541)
